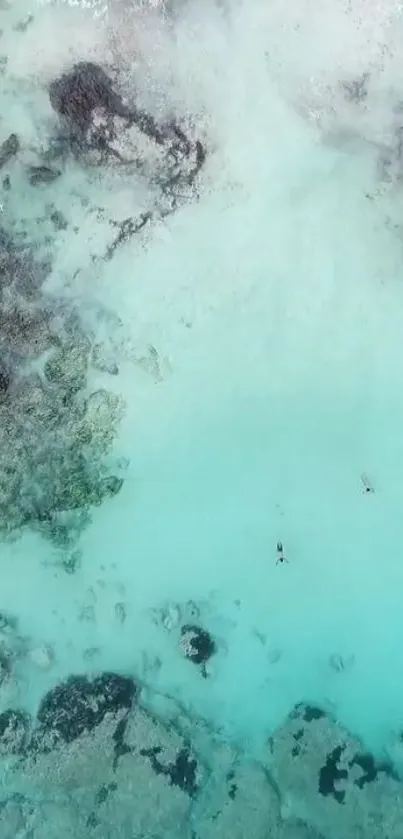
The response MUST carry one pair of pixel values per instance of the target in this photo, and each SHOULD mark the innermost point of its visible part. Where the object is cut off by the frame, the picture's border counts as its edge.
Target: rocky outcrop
(78, 92)
(196, 644)
(113, 767)
(79, 705)
(87, 101)
(99, 128)
(328, 780)
(8, 149)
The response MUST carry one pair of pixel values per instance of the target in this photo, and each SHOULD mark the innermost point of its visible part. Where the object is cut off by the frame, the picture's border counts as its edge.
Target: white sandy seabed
(275, 306)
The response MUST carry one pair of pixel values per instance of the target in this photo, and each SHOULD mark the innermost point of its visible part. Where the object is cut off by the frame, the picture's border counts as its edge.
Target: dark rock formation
(85, 89)
(330, 774)
(8, 149)
(78, 92)
(196, 644)
(182, 772)
(79, 705)
(102, 129)
(42, 175)
(4, 379)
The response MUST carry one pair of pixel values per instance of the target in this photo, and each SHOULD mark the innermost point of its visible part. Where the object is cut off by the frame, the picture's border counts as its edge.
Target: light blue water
(270, 400)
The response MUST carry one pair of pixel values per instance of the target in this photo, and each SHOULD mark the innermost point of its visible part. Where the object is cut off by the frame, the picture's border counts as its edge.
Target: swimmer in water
(280, 553)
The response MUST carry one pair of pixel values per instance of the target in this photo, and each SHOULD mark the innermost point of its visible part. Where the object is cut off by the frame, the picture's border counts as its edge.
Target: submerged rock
(42, 175)
(8, 149)
(137, 777)
(5, 379)
(153, 744)
(79, 705)
(102, 129)
(196, 644)
(85, 97)
(79, 91)
(329, 781)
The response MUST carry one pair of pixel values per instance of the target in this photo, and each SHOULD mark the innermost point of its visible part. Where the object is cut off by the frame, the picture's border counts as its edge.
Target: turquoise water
(250, 415)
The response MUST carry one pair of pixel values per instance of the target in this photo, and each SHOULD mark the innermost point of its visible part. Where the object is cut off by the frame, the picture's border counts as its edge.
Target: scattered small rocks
(71, 561)
(120, 612)
(171, 617)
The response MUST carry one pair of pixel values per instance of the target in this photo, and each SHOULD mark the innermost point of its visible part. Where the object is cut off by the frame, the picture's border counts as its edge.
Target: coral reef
(54, 432)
